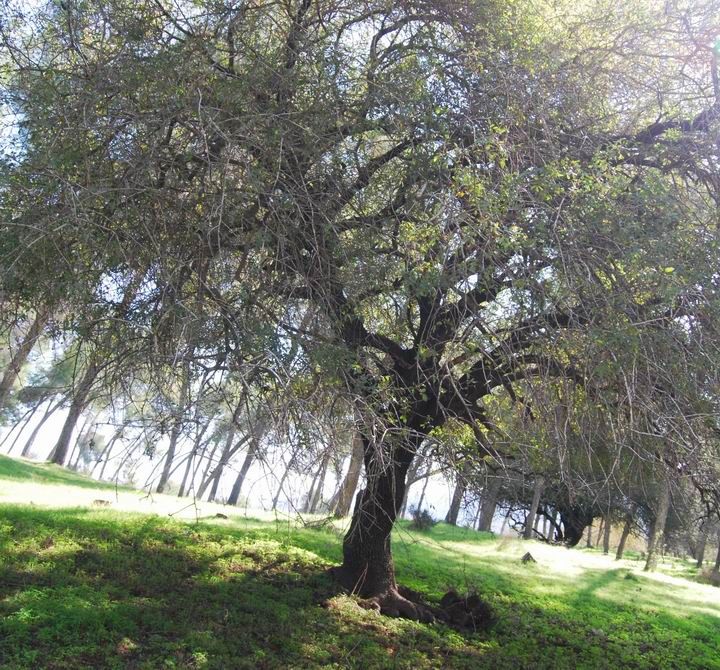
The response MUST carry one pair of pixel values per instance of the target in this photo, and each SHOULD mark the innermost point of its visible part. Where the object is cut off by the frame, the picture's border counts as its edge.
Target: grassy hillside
(89, 588)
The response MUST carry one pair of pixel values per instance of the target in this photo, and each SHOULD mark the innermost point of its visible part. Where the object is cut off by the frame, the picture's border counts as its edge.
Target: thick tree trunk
(606, 534)
(79, 402)
(349, 485)
(657, 535)
(627, 527)
(489, 503)
(21, 353)
(367, 567)
(530, 520)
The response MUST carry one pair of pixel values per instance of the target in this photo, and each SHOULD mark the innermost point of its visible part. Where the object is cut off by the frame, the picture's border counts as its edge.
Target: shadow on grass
(96, 589)
(91, 589)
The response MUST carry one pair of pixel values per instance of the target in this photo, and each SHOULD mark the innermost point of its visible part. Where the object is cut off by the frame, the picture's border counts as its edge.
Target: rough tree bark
(368, 567)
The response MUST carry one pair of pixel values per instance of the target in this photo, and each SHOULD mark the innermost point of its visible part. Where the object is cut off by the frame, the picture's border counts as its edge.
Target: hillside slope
(105, 588)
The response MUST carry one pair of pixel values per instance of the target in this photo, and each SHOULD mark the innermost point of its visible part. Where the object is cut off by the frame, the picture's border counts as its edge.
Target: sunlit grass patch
(103, 588)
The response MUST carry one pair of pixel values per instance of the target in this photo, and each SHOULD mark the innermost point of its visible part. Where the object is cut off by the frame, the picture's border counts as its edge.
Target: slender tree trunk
(412, 477)
(588, 544)
(489, 503)
(15, 427)
(82, 435)
(48, 413)
(606, 535)
(601, 529)
(77, 406)
(457, 498)
(240, 479)
(317, 497)
(504, 523)
(27, 419)
(188, 468)
(176, 428)
(258, 430)
(224, 458)
(254, 436)
(424, 488)
(657, 536)
(530, 520)
(716, 568)
(349, 485)
(214, 478)
(627, 527)
(311, 492)
(702, 544)
(105, 454)
(197, 448)
(290, 463)
(476, 520)
(126, 456)
(21, 353)
(107, 460)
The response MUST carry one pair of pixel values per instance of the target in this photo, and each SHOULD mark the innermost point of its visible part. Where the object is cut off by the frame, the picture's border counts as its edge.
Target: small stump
(528, 558)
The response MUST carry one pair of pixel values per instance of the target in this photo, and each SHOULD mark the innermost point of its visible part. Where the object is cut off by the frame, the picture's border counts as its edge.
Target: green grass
(16, 470)
(84, 588)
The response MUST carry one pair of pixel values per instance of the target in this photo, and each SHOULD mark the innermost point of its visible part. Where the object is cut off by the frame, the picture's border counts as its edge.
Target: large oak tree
(435, 201)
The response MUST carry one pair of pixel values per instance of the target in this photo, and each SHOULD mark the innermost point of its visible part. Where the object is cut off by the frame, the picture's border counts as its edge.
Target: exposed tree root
(462, 612)
(394, 604)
